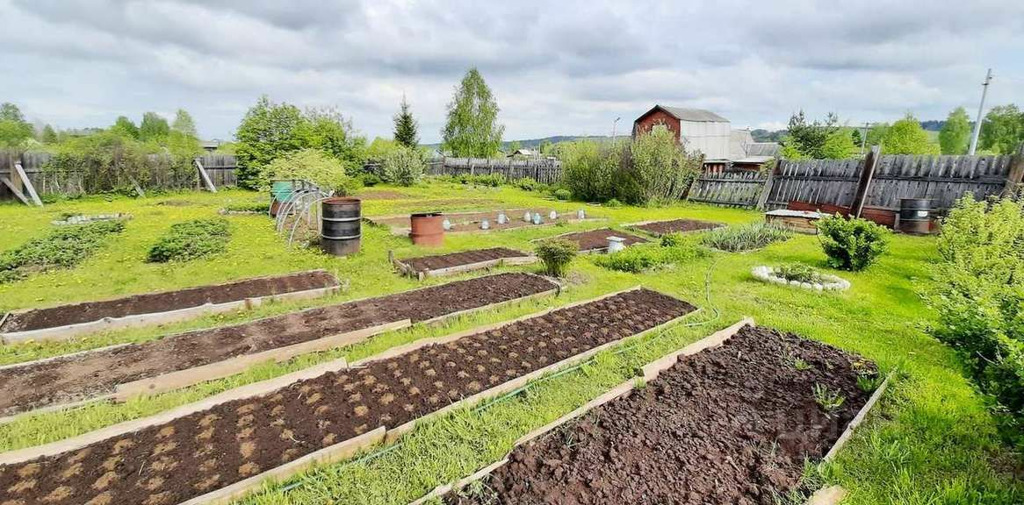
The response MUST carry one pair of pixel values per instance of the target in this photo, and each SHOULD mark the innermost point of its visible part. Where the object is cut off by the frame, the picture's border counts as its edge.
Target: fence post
(870, 162)
(1016, 174)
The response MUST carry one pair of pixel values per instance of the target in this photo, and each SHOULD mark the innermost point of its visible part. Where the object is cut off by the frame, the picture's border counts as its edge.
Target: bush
(370, 180)
(744, 238)
(979, 295)
(672, 239)
(613, 203)
(851, 244)
(641, 258)
(403, 166)
(588, 169)
(190, 240)
(557, 254)
(799, 272)
(526, 184)
(562, 194)
(63, 247)
(312, 165)
(658, 170)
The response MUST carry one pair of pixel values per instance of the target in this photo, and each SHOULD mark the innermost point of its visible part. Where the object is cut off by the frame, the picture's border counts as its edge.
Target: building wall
(645, 123)
(712, 139)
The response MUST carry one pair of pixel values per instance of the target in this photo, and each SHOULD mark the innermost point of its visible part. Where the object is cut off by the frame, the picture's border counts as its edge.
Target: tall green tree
(267, 131)
(1003, 129)
(907, 137)
(472, 128)
(184, 124)
(406, 127)
(818, 140)
(48, 135)
(955, 135)
(125, 127)
(153, 127)
(14, 130)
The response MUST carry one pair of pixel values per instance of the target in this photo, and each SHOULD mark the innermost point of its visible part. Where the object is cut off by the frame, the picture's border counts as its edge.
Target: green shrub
(672, 239)
(63, 247)
(641, 258)
(190, 240)
(613, 203)
(851, 244)
(745, 237)
(557, 254)
(370, 180)
(526, 184)
(251, 207)
(312, 165)
(657, 170)
(799, 272)
(979, 295)
(588, 169)
(562, 194)
(404, 166)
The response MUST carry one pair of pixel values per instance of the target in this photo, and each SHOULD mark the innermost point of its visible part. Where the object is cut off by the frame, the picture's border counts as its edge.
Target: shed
(700, 130)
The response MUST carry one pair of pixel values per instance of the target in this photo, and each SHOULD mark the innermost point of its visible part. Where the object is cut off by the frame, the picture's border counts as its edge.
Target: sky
(555, 67)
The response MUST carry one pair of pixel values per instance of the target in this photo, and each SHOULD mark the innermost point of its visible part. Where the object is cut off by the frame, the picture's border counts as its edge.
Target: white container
(616, 244)
(446, 224)
(580, 214)
(502, 218)
(485, 225)
(553, 215)
(527, 217)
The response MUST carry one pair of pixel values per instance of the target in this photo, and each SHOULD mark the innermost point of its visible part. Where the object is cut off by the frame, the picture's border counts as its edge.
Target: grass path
(931, 441)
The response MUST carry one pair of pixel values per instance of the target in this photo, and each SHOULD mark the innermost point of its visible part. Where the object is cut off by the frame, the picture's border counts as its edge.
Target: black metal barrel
(342, 226)
(916, 216)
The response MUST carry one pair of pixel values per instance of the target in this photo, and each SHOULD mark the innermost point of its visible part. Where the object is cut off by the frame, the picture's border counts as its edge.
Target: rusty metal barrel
(916, 216)
(342, 229)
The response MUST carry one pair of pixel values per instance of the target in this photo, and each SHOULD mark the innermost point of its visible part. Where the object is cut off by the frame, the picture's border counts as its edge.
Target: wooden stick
(28, 183)
(861, 415)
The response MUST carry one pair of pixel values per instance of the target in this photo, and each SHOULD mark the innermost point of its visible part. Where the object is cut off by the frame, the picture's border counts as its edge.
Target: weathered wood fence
(547, 171)
(877, 182)
(160, 175)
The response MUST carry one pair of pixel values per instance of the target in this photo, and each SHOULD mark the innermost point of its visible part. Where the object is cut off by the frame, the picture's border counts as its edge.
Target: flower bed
(825, 282)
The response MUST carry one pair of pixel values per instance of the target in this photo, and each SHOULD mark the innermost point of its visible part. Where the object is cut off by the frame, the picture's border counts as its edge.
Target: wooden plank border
(624, 389)
(855, 422)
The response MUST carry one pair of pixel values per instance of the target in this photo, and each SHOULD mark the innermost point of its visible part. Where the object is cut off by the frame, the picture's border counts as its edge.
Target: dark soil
(427, 263)
(470, 221)
(597, 240)
(70, 379)
(660, 228)
(211, 449)
(171, 300)
(732, 425)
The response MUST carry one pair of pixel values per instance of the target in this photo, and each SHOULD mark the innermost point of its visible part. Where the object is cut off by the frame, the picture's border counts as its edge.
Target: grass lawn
(931, 440)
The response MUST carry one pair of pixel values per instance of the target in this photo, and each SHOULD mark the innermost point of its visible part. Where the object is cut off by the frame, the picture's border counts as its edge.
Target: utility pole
(981, 108)
(864, 138)
(614, 124)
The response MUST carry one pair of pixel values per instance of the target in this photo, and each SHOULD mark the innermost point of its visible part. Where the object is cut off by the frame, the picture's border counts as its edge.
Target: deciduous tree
(472, 127)
(125, 127)
(14, 130)
(907, 137)
(1003, 129)
(153, 127)
(184, 124)
(955, 135)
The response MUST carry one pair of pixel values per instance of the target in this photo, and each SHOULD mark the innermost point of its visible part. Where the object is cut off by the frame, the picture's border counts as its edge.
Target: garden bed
(65, 321)
(470, 221)
(732, 424)
(659, 228)
(595, 241)
(188, 358)
(236, 444)
(464, 261)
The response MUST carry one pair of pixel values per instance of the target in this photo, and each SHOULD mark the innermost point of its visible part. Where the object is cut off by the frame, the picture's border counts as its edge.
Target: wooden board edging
(831, 495)
(855, 422)
(218, 370)
(158, 318)
(239, 393)
(332, 454)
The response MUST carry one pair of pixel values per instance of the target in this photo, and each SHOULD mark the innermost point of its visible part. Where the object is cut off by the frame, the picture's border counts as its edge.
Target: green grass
(930, 441)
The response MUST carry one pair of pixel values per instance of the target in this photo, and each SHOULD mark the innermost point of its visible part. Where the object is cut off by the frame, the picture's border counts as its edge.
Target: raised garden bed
(659, 228)
(732, 424)
(470, 221)
(65, 321)
(596, 241)
(218, 451)
(179, 360)
(464, 261)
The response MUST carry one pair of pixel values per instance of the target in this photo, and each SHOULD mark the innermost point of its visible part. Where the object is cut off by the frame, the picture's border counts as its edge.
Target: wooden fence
(847, 184)
(161, 175)
(547, 171)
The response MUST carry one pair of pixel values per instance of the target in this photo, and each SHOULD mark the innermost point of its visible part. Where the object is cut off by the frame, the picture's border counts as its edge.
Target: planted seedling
(868, 383)
(828, 400)
(800, 364)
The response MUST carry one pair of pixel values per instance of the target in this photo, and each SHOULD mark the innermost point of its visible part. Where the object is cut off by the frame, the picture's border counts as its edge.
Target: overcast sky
(557, 68)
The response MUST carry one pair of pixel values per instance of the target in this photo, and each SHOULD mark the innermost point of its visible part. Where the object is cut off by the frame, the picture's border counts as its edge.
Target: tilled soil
(69, 379)
(659, 228)
(171, 300)
(731, 425)
(211, 449)
(470, 221)
(597, 240)
(427, 263)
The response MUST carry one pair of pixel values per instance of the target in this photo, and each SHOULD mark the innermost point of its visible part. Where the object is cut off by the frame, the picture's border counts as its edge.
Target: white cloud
(555, 67)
